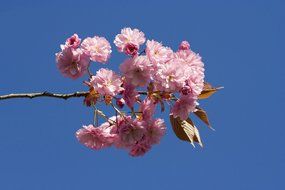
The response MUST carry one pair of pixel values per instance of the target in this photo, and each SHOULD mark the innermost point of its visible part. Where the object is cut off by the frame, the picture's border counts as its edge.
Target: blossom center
(170, 78)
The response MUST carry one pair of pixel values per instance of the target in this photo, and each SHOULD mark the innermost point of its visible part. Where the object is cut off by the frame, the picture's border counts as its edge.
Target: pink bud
(131, 49)
(120, 102)
(184, 45)
(186, 90)
(73, 41)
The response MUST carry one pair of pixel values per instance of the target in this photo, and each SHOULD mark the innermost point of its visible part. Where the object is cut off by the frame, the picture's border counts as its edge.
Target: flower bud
(186, 90)
(131, 49)
(120, 102)
(184, 45)
(73, 41)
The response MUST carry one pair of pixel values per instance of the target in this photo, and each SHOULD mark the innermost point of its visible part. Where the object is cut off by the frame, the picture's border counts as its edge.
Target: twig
(49, 94)
(44, 94)
(89, 72)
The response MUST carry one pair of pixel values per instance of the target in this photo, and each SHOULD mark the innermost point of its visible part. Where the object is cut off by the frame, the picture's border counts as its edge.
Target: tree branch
(49, 94)
(44, 94)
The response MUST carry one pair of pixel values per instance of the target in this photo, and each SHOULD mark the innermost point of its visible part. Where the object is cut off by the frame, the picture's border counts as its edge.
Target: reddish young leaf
(202, 114)
(208, 91)
(178, 130)
(185, 130)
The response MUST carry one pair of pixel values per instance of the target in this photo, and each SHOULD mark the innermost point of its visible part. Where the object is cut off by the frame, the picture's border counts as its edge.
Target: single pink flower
(196, 82)
(130, 94)
(98, 48)
(72, 63)
(106, 82)
(184, 106)
(155, 131)
(96, 137)
(147, 107)
(129, 41)
(169, 77)
(73, 41)
(157, 53)
(139, 149)
(184, 45)
(137, 70)
(194, 70)
(130, 132)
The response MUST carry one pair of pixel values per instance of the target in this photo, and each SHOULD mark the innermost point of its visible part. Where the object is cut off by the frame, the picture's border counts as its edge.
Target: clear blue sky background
(242, 45)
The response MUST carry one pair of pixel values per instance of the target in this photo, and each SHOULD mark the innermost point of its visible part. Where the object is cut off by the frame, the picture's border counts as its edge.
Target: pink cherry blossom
(130, 94)
(184, 45)
(98, 48)
(169, 77)
(96, 137)
(155, 131)
(137, 70)
(73, 41)
(157, 53)
(106, 82)
(139, 149)
(130, 132)
(129, 40)
(157, 75)
(184, 106)
(147, 107)
(72, 63)
(194, 70)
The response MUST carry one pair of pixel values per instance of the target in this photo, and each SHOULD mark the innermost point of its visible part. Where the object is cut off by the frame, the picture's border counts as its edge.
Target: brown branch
(49, 94)
(44, 94)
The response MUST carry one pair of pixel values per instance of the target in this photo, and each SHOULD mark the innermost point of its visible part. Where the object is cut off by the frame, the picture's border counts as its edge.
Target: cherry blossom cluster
(150, 76)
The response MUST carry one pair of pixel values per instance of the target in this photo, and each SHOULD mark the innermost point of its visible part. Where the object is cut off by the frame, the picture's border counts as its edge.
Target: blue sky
(242, 45)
